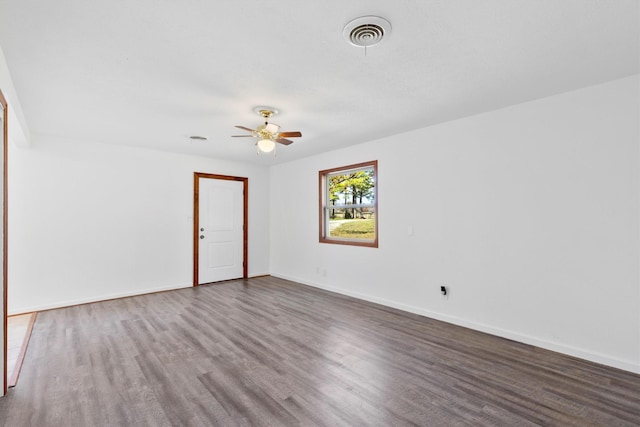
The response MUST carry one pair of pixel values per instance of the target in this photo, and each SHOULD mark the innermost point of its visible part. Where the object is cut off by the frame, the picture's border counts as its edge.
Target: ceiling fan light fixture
(271, 128)
(268, 134)
(266, 145)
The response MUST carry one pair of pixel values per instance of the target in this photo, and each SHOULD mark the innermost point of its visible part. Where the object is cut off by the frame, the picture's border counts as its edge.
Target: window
(349, 205)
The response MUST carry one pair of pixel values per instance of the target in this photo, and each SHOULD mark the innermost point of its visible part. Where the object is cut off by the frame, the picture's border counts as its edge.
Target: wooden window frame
(322, 194)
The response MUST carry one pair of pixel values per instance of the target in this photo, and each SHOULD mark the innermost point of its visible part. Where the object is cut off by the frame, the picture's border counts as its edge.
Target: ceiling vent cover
(366, 31)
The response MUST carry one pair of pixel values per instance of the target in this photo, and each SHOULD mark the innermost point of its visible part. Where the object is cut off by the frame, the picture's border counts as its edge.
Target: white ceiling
(150, 73)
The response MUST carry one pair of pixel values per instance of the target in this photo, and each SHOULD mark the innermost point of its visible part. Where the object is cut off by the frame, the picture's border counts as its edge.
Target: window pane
(358, 223)
(352, 188)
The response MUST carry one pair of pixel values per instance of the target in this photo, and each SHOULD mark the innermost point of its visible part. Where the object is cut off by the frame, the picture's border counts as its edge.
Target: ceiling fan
(268, 133)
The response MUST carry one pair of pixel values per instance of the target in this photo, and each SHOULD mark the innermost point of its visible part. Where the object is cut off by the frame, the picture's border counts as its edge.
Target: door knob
(201, 236)
(202, 229)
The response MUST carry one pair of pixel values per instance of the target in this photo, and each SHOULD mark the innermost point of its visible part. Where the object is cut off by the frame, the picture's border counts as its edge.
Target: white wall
(530, 215)
(18, 131)
(91, 221)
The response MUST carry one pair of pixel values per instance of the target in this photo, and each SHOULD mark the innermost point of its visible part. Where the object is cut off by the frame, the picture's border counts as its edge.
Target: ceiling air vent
(366, 31)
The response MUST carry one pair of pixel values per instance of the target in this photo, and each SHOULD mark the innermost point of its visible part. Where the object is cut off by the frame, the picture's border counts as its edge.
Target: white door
(221, 234)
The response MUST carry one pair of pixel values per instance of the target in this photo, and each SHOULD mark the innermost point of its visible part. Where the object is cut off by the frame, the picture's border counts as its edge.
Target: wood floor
(267, 351)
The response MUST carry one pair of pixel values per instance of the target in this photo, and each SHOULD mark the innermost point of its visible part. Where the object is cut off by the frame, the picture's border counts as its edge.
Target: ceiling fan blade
(290, 134)
(283, 141)
(242, 136)
(245, 128)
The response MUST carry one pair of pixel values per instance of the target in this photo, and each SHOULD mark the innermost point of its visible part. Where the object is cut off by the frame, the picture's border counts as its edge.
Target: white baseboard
(500, 332)
(107, 297)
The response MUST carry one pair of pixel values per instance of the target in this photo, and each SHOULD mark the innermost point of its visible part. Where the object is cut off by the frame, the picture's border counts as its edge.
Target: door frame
(5, 228)
(196, 219)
